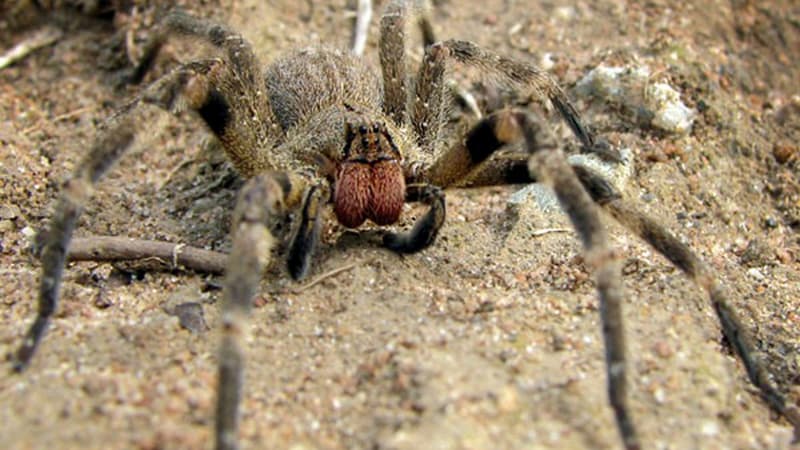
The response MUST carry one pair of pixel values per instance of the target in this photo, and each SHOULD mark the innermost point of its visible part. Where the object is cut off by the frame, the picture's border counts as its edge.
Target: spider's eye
(376, 127)
(362, 129)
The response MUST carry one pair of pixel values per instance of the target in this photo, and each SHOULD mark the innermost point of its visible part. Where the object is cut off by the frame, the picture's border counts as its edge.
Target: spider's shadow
(199, 197)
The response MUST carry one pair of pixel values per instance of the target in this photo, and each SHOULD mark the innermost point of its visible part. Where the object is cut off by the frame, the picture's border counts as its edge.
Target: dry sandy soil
(488, 339)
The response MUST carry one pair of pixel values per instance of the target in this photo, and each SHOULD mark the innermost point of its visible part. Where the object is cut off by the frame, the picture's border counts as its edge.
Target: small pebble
(28, 232)
(757, 253)
(670, 112)
(783, 152)
(709, 428)
(565, 13)
(662, 349)
(191, 317)
(102, 300)
(784, 256)
(508, 400)
(9, 211)
(659, 395)
(755, 273)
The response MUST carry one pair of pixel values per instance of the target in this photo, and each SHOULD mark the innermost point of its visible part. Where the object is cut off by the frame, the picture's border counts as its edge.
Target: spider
(318, 127)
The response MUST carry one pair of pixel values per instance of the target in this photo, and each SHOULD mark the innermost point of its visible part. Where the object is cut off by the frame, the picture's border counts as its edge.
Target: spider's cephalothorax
(320, 126)
(328, 105)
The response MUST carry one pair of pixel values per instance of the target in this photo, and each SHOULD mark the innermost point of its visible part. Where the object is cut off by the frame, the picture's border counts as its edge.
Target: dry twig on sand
(41, 38)
(107, 248)
(362, 19)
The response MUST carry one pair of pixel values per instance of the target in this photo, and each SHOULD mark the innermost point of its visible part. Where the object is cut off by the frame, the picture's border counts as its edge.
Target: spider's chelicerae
(319, 127)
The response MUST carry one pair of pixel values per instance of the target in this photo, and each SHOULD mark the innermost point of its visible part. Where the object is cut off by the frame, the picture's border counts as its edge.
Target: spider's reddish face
(369, 179)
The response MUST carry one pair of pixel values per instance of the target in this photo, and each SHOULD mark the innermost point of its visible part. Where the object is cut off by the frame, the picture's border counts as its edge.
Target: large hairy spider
(319, 127)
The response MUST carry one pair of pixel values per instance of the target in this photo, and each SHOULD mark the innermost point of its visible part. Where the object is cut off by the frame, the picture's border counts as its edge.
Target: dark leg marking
(572, 118)
(485, 137)
(216, 112)
(482, 141)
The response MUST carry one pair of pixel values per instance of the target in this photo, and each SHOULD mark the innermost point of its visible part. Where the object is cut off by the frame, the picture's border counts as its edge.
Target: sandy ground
(488, 339)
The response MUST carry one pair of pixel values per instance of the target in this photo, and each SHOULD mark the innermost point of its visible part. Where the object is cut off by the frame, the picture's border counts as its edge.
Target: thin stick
(109, 248)
(42, 38)
(544, 231)
(130, 38)
(465, 97)
(363, 18)
(59, 118)
(73, 113)
(327, 275)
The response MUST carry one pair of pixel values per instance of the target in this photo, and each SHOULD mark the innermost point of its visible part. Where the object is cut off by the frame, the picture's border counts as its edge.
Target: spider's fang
(351, 194)
(388, 192)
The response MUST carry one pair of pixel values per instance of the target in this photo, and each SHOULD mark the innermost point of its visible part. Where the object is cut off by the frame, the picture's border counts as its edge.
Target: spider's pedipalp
(307, 235)
(427, 227)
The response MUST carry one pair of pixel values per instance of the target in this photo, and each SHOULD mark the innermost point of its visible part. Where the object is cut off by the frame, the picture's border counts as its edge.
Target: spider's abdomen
(305, 82)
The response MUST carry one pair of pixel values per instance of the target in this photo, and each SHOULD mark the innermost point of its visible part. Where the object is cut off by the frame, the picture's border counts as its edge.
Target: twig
(167, 179)
(363, 18)
(59, 118)
(327, 275)
(465, 97)
(73, 113)
(544, 231)
(42, 38)
(108, 248)
(130, 38)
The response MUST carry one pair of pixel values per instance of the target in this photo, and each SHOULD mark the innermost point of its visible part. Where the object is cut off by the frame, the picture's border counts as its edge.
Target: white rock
(629, 86)
(612, 83)
(670, 114)
(616, 173)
